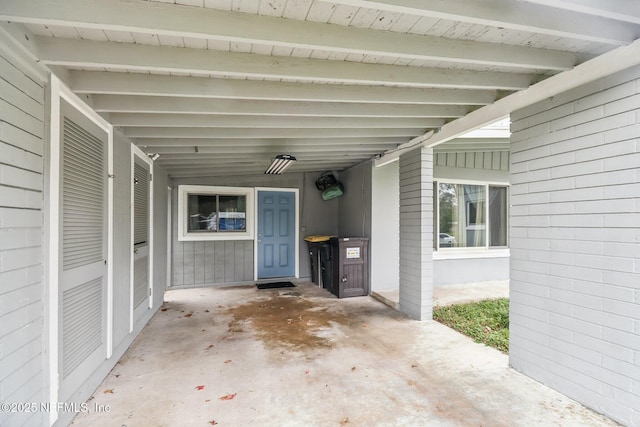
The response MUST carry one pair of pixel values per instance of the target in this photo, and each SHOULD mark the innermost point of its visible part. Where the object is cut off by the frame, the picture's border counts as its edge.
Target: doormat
(275, 285)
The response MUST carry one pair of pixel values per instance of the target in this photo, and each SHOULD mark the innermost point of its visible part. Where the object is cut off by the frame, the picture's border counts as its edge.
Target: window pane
(498, 216)
(233, 213)
(202, 212)
(448, 204)
(462, 215)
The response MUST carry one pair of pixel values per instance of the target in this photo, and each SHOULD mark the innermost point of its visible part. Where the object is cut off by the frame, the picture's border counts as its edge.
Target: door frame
(296, 249)
(53, 175)
(137, 152)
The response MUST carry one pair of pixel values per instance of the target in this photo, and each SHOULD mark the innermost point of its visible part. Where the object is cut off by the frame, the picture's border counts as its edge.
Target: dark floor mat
(275, 285)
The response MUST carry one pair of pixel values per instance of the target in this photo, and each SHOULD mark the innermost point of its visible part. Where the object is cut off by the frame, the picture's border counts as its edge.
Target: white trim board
(135, 151)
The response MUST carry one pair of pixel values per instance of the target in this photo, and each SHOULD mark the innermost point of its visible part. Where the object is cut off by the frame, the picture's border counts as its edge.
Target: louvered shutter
(82, 323)
(140, 204)
(83, 197)
(141, 199)
(83, 249)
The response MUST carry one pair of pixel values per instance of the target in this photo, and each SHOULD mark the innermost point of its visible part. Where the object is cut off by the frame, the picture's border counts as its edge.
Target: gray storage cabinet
(350, 266)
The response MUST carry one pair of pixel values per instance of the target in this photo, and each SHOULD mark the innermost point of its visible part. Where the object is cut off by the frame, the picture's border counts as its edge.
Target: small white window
(471, 215)
(215, 213)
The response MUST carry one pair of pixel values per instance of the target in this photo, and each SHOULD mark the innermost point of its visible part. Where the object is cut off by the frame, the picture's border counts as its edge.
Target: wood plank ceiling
(219, 87)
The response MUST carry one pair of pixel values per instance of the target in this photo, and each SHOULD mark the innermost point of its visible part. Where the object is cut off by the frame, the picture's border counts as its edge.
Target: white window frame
(183, 194)
(485, 251)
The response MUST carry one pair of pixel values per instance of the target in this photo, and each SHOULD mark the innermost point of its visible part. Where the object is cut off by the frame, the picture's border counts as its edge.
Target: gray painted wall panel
(385, 229)
(574, 246)
(220, 262)
(490, 166)
(161, 182)
(355, 203)
(416, 233)
(22, 127)
(121, 237)
(469, 270)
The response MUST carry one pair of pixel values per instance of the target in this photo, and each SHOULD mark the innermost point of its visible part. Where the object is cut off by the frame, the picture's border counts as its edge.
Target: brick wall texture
(575, 244)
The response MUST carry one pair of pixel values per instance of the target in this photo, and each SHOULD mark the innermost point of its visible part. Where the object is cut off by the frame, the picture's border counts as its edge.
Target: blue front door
(276, 234)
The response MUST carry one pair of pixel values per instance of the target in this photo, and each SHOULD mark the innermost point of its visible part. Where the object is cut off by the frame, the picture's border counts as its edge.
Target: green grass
(485, 321)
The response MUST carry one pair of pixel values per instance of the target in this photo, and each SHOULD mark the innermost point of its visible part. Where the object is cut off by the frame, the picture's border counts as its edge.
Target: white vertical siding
(575, 244)
(21, 220)
(416, 233)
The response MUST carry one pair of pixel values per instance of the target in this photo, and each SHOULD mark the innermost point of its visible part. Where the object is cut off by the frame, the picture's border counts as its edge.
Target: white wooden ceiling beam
(128, 56)
(620, 10)
(171, 105)
(182, 21)
(219, 121)
(171, 160)
(97, 82)
(222, 158)
(241, 150)
(260, 167)
(214, 172)
(234, 133)
(514, 15)
(599, 67)
(275, 142)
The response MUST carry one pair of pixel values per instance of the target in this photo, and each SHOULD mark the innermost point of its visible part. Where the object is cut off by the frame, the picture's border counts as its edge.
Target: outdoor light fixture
(154, 156)
(279, 164)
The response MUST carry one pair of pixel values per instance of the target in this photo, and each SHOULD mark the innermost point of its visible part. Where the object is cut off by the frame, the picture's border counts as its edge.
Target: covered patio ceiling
(219, 87)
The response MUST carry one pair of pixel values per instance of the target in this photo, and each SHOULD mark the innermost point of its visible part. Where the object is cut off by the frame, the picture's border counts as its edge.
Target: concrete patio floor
(452, 294)
(300, 357)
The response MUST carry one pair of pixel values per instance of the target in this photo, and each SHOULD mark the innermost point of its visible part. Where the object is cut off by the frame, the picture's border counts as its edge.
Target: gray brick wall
(575, 244)
(416, 233)
(22, 111)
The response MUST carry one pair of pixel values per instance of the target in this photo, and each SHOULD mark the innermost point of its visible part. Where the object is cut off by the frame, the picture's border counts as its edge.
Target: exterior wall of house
(22, 290)
(479, 268)
(471, 166)
(161, 182)
(121, 238)
(575, 269)
(122, 250)
(491, 166)
(385, 228)
(449, 268)
(354, 212)
(416, 233)
(196, 263)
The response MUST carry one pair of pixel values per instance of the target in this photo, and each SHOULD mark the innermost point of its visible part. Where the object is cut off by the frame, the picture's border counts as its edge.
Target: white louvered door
(83, 249)
(141, 236)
